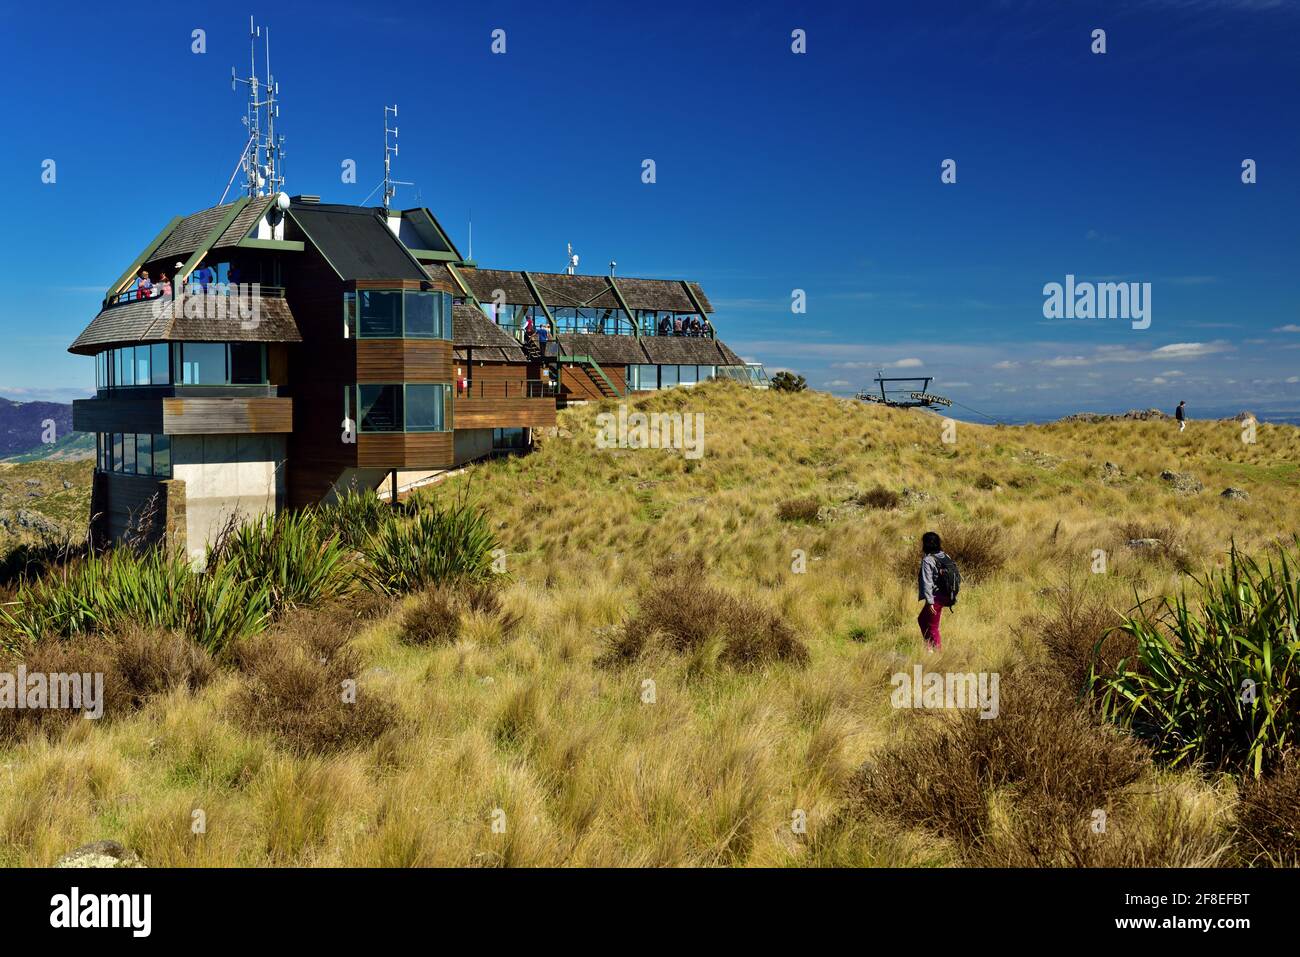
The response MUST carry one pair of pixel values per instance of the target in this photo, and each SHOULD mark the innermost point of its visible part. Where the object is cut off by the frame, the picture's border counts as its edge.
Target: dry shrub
(1016, 790)
(1075, 620)
(977, 550)
(878, 497)
(986, 482)
(295, 681)
(685, 615)
(137, 664)
(439, 613)
(1268, 818)
(1172, 546)
(803, 509)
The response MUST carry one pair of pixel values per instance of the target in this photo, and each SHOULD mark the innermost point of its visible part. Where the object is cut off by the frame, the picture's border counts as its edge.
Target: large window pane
(128, 453)
(424, 408)
(380, 314)
(667, 376)
(144, 454)
(126, 367)
(686, 375)
(117, 451)
(161, 371)
(162, 455)
(422, 315)
(380, 408)
(142, 365)
(246, 363)
(203, 363)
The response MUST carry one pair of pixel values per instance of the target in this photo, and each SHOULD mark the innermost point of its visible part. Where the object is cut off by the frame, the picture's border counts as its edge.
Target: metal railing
(135, 294)
(506, 389)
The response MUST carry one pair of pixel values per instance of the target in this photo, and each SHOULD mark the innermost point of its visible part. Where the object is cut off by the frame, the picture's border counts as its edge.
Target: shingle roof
(188, 235)
(471, 329)
(152, 320)
(356, 242)
(650, 350)
(563, 290)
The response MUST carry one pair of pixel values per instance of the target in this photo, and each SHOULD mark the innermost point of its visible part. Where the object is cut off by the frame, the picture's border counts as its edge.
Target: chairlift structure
(903, 392)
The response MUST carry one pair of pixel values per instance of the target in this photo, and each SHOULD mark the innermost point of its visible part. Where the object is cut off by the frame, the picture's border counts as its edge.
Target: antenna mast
(390, 184)
(263, 157)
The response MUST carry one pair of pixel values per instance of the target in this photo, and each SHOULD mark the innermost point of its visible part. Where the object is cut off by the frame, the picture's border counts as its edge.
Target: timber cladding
(207, 416)
(135, 504)
(405, 450)
(504, 413)
(404, 360)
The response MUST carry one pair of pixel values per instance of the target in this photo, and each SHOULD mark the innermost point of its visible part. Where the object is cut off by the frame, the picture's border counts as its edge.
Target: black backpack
(947, 581)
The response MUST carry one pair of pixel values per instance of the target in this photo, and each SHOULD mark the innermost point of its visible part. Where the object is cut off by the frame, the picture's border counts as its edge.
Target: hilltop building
(299, 349)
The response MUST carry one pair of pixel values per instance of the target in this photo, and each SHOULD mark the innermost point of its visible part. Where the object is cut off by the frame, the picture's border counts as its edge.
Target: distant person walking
(1180, 414)
(937, 584)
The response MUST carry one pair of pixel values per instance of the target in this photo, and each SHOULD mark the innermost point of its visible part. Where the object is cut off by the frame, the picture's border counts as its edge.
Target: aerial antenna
(612, 266)
(390, 184)
(573, 261)
(471, 234)
(263, 156)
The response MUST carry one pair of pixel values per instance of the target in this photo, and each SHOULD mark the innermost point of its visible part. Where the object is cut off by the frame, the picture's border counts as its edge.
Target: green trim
(435, 255)
(546, 310)
(413, 215)
(631, 316)
(213, 235)
(315, 245)
(699, 306)
(281, 245)
(591, 363)
(143, 258)
(464, 286)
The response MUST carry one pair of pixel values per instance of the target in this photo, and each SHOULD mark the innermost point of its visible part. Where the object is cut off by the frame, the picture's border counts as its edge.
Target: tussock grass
(585, 767)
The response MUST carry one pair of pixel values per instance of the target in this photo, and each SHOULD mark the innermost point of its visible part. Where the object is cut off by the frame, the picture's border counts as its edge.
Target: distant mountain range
(24, 429)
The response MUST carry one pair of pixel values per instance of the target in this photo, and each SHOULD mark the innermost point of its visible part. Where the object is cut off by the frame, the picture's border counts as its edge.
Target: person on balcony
(677, 326)
(164, 285)
(144, 290)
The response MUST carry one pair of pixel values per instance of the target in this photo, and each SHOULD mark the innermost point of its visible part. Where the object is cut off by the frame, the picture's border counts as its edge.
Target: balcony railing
(506, 389)
(193, 289)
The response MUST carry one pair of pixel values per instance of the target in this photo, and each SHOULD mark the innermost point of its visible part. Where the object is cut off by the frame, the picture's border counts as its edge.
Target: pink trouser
(929, 622)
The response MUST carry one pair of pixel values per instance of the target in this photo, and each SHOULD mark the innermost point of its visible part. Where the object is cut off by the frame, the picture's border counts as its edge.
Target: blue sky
(775, 172)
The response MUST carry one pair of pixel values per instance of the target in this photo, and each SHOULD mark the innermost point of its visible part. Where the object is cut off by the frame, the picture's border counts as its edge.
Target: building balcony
(185, 414)
(505, 403)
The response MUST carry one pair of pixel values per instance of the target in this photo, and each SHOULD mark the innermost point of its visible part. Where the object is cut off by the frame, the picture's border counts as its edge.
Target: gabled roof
(429, 236)
(356, 241)
(152, 320)
(472, 330)
(563, 290)
(649, 350)
(190, 234)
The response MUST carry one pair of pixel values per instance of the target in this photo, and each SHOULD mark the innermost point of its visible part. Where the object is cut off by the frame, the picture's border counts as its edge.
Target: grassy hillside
(690, 656)
(43, 496)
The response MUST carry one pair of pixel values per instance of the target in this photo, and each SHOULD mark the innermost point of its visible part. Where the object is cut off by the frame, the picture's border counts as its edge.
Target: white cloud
(1289, 327)
(904, 364)
(1293, 379)
(1190, 350)
(1006, 364)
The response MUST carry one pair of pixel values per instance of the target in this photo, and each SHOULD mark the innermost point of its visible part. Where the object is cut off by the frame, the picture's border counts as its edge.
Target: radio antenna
(263, 156)
(390, 152)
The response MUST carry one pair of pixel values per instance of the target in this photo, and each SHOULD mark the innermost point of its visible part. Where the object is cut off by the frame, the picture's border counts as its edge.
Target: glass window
(144, 454)
(203, 363)
(380, 408)
(424, 408)
(160, 363)
(422, 315)
(686, 375)
(247, 363)
(162, 455)
(643, 377)
(128, 453)
(117, 451)
(142, 365)
(380, 314)
(126, 365)
(667, 376)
